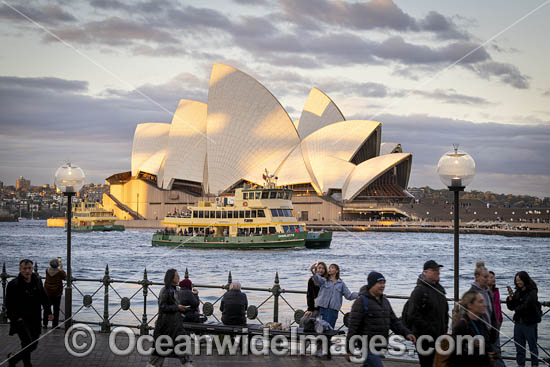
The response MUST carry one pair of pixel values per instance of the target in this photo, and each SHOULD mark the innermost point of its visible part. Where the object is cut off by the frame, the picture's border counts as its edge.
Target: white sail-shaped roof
(319, 111)
(149, 139)
(331, 172)
(248, 130)
(341, 139)
(388, 148)
(368, 171)
(186, 149)
(293, 170)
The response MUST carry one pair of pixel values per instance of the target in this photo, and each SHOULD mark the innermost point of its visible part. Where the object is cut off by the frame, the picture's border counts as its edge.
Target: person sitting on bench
(233, 305)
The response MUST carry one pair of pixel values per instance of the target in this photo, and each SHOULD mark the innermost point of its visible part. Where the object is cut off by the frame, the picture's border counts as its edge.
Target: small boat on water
(90, 216)
(254, 218)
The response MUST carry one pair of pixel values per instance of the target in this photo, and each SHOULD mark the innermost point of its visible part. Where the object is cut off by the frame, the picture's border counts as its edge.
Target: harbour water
(399, 256)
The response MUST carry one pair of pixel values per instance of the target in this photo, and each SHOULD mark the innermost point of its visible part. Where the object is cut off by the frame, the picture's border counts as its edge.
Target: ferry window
(280, 212)
(285, 229)
(272, 230)
(224, 214)
(230, 214)
(206, 214)
(279, 194)
(264, 230)
(288, 212)
(289, 195)
(258, 194)
(212, 214)
(236, 214)
(274, 213)
(253, 214)
(247, 213)
(291, 212)
(265, 194)
(261, 213)
(218, 214)
(241, 213)
(273, 194)
(245, 196)
(195, 214)
(201, 214)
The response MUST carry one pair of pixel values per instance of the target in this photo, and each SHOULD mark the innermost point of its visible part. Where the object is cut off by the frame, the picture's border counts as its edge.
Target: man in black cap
(377, 321)
(428, 311)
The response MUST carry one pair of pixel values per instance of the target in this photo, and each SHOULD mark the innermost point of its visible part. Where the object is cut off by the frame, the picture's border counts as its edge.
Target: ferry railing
(105, 319)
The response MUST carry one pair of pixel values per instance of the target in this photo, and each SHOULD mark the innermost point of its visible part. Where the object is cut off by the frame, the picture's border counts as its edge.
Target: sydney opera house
(337, 168)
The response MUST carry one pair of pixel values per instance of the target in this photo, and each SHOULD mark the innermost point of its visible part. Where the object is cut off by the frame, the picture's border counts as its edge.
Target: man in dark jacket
(24, 298)
(428, 310)
(379, 318)
(233, 305)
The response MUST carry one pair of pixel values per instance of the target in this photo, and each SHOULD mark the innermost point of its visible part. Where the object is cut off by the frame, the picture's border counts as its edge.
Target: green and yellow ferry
(255, 218)
(90, 216)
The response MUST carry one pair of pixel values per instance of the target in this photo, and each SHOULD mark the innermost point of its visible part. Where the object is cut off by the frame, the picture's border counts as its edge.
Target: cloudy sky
(76, 77)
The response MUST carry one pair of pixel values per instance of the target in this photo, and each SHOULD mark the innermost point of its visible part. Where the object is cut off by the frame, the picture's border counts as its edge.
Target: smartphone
(509, 289)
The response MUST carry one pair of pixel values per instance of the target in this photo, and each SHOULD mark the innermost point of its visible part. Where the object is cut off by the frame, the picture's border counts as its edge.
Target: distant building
(337, 168)
(22, 184)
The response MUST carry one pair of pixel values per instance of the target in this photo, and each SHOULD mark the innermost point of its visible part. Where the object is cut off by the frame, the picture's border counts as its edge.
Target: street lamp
(69, 179)
(456, 169)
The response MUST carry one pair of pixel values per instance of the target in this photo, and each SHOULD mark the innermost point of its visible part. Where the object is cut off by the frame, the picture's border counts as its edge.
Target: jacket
(498, 306)
(186, 297)
(378, 320)
(489, 316)
(233, 307)
(525, 305)
(169, 321)
(25, 301)
(330, 293)
(465, 326)
(54, 282)
(312, 293)
(428, 309)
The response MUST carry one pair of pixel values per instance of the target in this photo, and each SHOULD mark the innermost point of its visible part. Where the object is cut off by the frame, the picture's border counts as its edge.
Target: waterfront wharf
(144, 300)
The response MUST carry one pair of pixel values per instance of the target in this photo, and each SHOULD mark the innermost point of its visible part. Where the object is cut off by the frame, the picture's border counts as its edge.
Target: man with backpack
(372, 315)
(427, 311)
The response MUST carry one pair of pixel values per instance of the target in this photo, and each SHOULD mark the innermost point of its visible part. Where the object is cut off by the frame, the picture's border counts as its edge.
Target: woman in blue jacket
(331, 291)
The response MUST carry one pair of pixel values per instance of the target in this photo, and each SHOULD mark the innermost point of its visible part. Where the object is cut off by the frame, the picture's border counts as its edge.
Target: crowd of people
(426, 313)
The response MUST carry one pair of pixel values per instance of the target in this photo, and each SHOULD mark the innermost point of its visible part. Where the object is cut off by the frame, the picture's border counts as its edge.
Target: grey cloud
(113, 31)
(507, 73)
(56, 84)
(447, 96)
(442, 26)
(47, 14)
(367, 89)
(252, 2)
(361, 15)
(546, 93)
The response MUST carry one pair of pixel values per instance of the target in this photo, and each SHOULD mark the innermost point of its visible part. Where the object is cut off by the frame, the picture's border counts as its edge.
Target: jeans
(54, 301)
(373, 360)
(329, 315)
(526, 333)
(496, 348)
(29, 341)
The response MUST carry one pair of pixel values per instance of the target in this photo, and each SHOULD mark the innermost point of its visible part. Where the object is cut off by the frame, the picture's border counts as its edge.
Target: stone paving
(51, 352)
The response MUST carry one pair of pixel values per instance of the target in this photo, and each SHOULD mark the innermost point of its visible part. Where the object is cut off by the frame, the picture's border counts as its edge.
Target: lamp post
(456, 170)
(69, 179)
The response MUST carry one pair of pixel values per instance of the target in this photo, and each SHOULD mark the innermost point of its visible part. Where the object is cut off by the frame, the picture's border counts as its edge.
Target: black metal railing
(105, 319)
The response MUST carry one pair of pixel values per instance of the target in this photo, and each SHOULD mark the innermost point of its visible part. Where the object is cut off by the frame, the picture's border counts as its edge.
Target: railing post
(36, 269)
(4, 313)
(144, 329)
(229, 280)
(276, 290)
(105, 324)
(186, 275)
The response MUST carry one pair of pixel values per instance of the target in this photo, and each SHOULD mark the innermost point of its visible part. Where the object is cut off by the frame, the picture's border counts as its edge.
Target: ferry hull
(317, 240)
(276, 241)
(98, 228)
